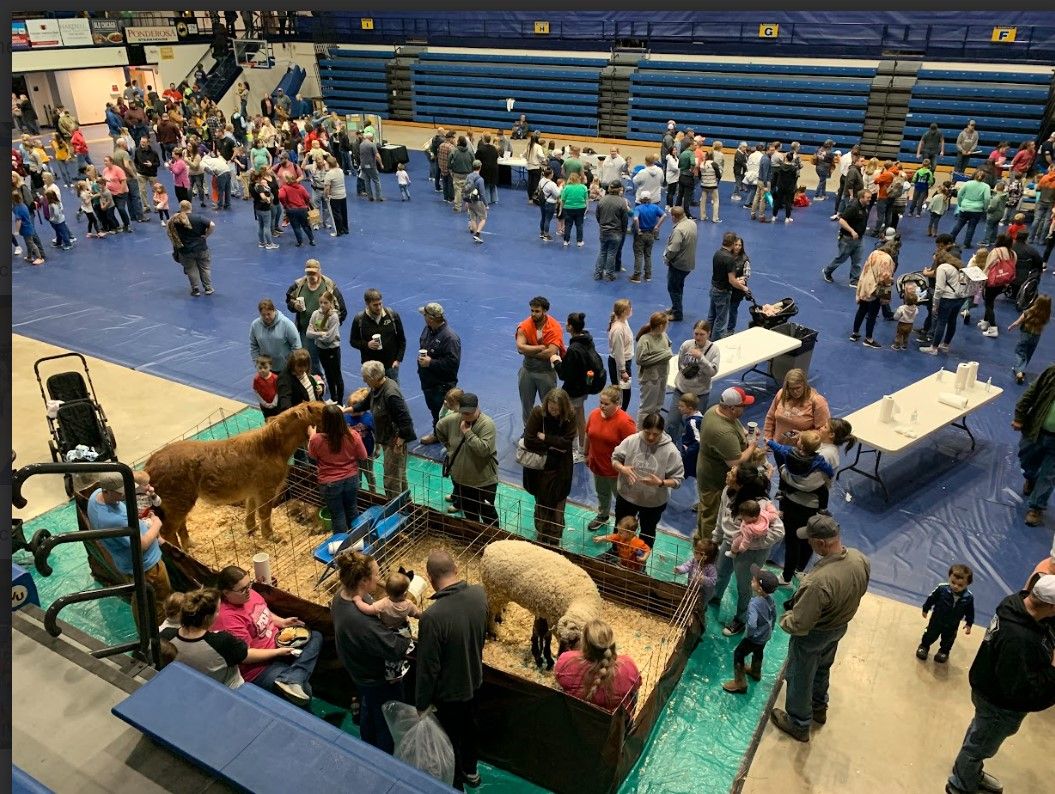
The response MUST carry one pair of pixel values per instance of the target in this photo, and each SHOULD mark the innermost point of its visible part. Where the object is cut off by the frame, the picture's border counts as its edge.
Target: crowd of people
(756, 489)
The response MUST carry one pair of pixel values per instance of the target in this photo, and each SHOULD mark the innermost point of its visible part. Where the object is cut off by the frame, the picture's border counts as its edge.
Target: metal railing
(147, 647)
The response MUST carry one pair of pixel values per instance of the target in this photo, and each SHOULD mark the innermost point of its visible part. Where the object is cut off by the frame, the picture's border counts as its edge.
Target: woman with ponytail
(596, 673)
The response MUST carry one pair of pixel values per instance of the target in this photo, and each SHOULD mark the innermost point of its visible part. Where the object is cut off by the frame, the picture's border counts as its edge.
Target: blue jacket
(690, 443)
(764, 169)
(761, 615)
(445, 350)
(114, 122)
(948, 609)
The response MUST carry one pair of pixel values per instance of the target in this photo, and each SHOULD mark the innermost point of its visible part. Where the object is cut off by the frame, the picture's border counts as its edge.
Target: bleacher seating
(752, 102)
(258, 742)
(1006, 106)
(353, 80)
(558, 94)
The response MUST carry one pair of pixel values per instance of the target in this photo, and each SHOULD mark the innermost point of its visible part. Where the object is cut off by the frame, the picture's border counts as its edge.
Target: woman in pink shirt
(117, 184)
(596, 673)
(180, 175)
(337, 451)
(244, 613)
(796, 407)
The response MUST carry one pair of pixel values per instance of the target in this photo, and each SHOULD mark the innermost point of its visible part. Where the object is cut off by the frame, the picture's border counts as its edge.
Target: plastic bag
(420, 741)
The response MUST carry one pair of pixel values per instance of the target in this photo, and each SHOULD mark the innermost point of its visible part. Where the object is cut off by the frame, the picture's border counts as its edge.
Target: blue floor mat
(124, 300)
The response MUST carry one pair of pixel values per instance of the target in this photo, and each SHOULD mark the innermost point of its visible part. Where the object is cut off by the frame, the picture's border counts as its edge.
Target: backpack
(600, 376)
(538, 198)
(1001, 272)
(897, 187)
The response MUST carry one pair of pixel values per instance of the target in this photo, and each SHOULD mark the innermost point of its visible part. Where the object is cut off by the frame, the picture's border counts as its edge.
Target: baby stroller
(75, 418)
(759, 318)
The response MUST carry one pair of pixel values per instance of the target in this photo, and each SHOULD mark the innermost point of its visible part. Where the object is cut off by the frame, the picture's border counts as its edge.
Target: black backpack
(539, 196)
(600, 376)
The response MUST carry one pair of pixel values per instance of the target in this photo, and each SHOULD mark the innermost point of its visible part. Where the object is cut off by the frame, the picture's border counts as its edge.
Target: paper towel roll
(262, 567)
(953, 400)
(972, 374)
(335, 546)
(886, 409)
(961, 376)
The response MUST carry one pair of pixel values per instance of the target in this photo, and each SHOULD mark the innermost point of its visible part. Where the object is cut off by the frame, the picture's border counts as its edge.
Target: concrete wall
(174, 69)
(85, 92)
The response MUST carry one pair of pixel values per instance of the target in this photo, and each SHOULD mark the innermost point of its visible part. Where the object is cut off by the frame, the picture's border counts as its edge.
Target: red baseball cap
(736, 396)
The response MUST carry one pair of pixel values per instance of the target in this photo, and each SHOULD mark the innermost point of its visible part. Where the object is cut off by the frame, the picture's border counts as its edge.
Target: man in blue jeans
(680, 257)
(853, 222)
(1012, 675)
(723, 281)
(612, 216)
(816, 617)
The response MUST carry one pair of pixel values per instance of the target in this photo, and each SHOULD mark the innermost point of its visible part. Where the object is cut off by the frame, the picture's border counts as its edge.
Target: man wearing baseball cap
(107, 510)
(724, 445)
(1012, 675)
(816, 618)
(438, 367)
(648, 217)
(472, 459)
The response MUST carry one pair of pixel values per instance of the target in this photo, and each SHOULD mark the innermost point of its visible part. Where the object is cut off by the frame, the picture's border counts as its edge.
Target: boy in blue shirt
(23, 224)
(648, 217)
(761, 615)
(363, 423)
(689, 408)
(949, 603)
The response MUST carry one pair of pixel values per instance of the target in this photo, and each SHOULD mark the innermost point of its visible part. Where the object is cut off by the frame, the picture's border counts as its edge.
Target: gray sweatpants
(531, 383)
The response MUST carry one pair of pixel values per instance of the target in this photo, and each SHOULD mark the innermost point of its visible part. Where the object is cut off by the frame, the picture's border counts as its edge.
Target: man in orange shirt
(538, 338)
(883, 180)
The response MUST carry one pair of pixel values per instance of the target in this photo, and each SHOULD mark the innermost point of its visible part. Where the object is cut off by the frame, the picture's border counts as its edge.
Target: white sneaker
(834, 217)
(992, 331)
(931, 349)
(983, 326)
(18, 250)
(293, 692)
(787, 220)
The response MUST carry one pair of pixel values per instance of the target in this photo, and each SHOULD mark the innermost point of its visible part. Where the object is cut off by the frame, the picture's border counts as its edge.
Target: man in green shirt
(1035, 419)
(687, 177)
(972, 198)
(572, 164)
(723, 445)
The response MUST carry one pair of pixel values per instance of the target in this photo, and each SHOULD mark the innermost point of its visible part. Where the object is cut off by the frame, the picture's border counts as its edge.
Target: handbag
(314, 218)
(528, 459)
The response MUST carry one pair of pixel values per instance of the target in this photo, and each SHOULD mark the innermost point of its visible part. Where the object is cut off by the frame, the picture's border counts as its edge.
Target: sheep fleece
(544, 582)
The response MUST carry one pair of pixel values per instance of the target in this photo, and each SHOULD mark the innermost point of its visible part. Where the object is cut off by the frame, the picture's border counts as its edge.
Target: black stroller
(759, 318)
(919, 281)
(75, 417)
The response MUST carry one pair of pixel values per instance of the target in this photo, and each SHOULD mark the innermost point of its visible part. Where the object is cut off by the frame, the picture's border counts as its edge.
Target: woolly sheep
(544, 582)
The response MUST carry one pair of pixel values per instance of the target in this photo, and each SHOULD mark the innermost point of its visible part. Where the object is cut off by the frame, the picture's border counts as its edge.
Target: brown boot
(1034, 518)
(755, 670)
(738, 684)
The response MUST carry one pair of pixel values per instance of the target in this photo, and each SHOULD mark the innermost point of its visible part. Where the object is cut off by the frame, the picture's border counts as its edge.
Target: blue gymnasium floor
(123, 299)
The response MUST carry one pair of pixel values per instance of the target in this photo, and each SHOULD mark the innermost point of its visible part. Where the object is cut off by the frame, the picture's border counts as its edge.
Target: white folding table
(920, 397)
(517, 170)
(745, 350)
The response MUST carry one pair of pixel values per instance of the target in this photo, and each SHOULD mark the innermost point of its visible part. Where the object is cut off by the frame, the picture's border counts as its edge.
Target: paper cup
(262, 567)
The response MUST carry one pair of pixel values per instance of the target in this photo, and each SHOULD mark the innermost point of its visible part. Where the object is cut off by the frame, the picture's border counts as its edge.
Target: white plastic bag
(420, 741)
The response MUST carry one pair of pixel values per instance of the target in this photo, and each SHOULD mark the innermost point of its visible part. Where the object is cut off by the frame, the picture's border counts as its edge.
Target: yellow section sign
(768, 30)
(366, 23)
(166, 53)
(542, 28)
(1005, 35)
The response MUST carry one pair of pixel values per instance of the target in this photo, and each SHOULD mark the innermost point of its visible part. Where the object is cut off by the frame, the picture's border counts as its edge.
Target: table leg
(871, 475)
(760, 372)
(962, 424)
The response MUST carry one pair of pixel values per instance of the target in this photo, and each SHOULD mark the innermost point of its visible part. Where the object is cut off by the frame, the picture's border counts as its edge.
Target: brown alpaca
(249, 467)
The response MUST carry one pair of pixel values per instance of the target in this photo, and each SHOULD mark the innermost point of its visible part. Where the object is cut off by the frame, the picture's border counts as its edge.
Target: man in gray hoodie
(680, 256)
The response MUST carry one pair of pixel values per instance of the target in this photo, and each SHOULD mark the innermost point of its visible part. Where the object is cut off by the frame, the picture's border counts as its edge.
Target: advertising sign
(155, 34)
(75, 32)
(19, 35)
(107, 31)
(44, 33)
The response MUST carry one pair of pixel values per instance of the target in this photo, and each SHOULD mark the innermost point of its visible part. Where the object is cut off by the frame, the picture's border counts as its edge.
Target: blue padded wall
(752, 102)
(559, 95)
(353, 81)
(1007, 106)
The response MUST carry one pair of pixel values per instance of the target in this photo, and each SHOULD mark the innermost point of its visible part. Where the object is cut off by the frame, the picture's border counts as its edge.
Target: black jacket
(445, 350)
(855, 181)
(292, 392)
(147, 161)
(393, 340)
(364, 643)
(948, 609)
(391, 415)
(451, 646)
(487, 154)
(1013, 667)
(785, 177)
(573, 367)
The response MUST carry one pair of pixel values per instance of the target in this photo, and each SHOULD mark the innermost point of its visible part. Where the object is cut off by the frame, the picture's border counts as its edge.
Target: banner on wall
(19, 35)
(44, 33)
(106, 31)
(75, 33)
(155, 34)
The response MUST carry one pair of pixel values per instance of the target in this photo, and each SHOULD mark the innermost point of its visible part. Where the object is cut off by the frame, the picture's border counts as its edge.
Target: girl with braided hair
(596, 673)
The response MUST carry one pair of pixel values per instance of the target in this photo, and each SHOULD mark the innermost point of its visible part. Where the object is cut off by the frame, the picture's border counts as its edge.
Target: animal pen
(528, 726)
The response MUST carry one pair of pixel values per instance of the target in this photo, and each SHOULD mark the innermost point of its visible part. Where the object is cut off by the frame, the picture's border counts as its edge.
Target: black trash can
(796, 359)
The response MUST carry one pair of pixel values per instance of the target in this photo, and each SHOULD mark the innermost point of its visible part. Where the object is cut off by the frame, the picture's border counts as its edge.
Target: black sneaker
(941, 657)
(871, 343)
(855, 337)
(827, 276)
(921, 653)
(635, 279)
(734, 628)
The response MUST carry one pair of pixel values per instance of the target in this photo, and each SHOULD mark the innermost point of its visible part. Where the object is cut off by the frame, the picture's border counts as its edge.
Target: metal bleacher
(558, 94)
(354, 80)
(1007, 106)
(752, 102)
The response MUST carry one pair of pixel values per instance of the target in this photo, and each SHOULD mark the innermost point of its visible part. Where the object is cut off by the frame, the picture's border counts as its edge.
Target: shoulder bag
(528, 459)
